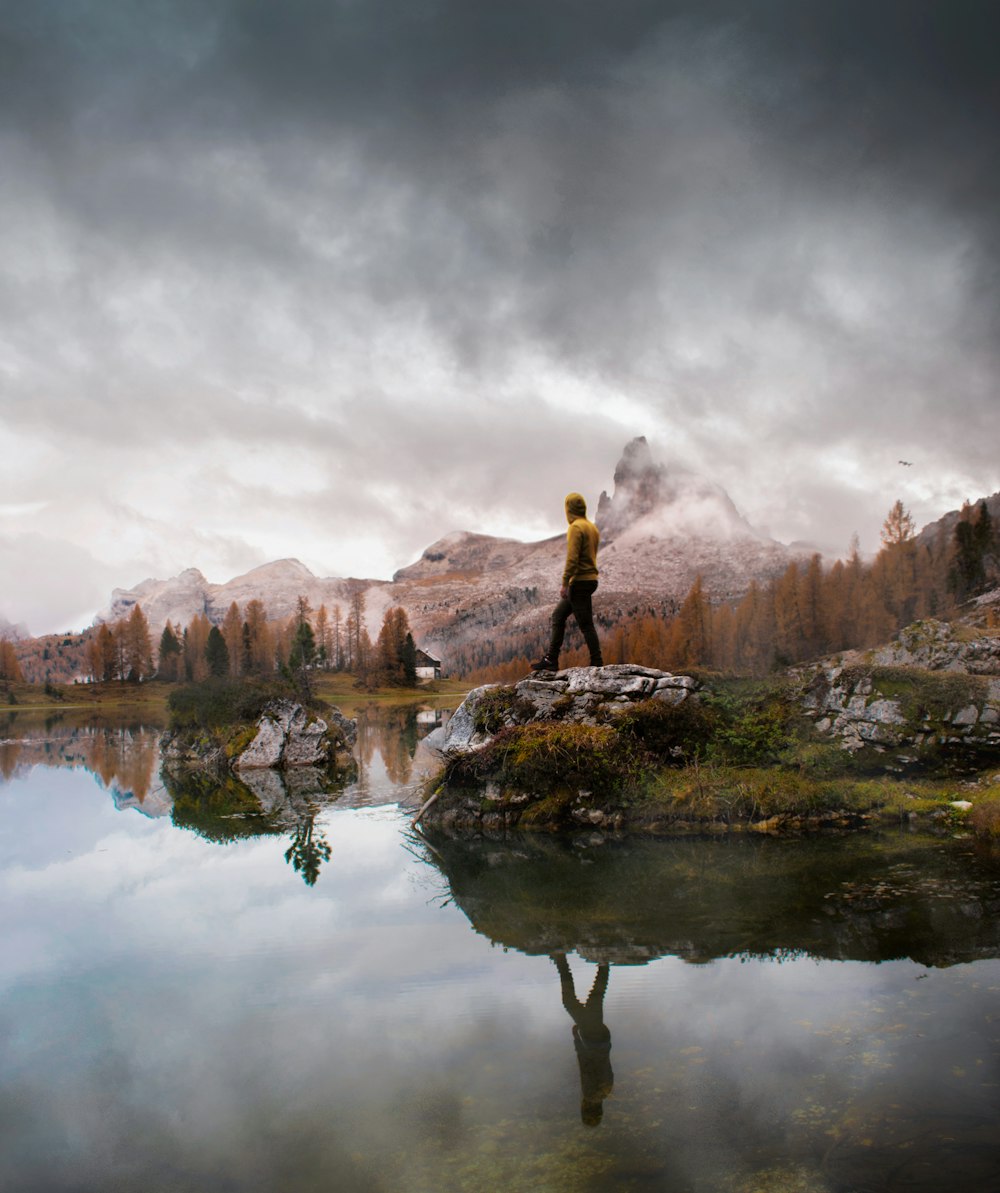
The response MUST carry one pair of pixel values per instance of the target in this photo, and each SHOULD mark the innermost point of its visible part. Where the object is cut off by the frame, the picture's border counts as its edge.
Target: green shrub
(672, 733)
(985, 814)
(543, 757)
(753, 723)
(216, 703)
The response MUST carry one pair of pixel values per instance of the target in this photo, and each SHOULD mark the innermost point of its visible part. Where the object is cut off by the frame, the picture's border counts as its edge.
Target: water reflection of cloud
(176, 1005)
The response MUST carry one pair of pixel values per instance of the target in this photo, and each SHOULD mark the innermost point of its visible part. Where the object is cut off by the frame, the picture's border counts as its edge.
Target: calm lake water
(213, 988)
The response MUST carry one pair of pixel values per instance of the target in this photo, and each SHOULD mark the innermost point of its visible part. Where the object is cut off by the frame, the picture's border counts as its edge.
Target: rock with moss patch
(941, 646)
(930, 687)
(581, 695)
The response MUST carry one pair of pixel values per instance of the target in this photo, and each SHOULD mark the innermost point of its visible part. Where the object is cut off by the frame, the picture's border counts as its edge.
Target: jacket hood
(576, 507)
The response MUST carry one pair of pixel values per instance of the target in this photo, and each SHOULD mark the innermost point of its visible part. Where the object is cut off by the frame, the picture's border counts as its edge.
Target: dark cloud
(391, 230)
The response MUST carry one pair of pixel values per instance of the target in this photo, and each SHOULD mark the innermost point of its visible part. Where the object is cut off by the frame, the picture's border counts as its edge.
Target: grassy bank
(339, 688)
(712, 798)
(150, 697)
(336, 688)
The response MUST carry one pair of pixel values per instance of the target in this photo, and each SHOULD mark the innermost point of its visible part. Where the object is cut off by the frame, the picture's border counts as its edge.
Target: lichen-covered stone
(966, 716)
(266, 748)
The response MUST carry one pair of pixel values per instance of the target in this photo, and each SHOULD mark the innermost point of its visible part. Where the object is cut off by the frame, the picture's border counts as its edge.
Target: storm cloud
(331, 280)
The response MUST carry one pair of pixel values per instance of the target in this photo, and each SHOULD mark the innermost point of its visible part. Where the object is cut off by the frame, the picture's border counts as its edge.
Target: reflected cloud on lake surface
(180, 1010)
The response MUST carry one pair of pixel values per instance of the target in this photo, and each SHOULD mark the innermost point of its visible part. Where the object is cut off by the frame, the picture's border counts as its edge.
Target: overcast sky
(332, 278)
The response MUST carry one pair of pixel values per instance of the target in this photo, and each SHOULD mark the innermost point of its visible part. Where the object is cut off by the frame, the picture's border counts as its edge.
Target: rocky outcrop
(285, 737)
(584, 695)
(935, 686)
(941, 646)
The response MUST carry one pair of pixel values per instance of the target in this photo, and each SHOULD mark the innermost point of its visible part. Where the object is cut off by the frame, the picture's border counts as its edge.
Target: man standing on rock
(579, 582)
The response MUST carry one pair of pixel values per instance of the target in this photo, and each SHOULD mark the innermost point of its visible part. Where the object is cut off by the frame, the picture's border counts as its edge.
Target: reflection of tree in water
(309, 849)
(10, 756)
(591, 1039)
(225, 809)
(364, 749)
(393, 732)
(397, 742)
(122, 756)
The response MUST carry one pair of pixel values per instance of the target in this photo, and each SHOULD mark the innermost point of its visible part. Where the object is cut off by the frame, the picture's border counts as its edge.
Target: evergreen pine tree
(217, 653)
(409, 661)
(169, 655)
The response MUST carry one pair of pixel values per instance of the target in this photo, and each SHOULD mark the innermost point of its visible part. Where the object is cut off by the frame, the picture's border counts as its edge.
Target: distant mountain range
(660, 528)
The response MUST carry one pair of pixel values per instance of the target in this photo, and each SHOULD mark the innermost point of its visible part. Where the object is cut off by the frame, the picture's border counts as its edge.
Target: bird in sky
(906, 463)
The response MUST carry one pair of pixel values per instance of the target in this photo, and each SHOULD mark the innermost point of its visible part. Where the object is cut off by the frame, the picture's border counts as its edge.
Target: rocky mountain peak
(652, 499)
(281, 569)
(464, 552)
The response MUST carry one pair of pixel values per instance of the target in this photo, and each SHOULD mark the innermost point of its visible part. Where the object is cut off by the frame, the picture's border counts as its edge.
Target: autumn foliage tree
(395, 652)
(10, 668)
(101, 655)
(138, 656)
(232, 634)
(258, 640)
(195, 644)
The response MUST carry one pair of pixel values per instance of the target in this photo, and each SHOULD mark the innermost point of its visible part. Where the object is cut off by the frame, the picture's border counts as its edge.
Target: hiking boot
(546, 663)
(597, 662)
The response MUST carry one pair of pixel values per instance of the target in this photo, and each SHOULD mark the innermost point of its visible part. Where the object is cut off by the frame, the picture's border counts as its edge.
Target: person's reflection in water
(591, 1039)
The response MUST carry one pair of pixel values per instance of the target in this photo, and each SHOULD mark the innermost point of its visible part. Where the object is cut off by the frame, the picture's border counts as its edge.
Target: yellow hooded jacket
(582, 540)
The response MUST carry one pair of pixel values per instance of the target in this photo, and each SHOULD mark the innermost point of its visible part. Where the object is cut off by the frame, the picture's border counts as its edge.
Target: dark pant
(577, 603)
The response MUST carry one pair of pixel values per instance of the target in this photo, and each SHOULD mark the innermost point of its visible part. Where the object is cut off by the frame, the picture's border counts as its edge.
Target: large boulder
(288, 736)
(585, 695)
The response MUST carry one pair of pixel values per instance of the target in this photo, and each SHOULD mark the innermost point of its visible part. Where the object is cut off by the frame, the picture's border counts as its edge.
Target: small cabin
(428, 667)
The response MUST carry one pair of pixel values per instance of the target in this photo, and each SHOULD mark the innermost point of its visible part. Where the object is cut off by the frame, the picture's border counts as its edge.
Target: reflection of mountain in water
(862, 898)
(122, 756)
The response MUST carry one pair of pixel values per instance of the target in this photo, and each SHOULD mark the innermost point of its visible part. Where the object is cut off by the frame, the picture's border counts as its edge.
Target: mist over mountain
(12, 632)
(651, 499)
